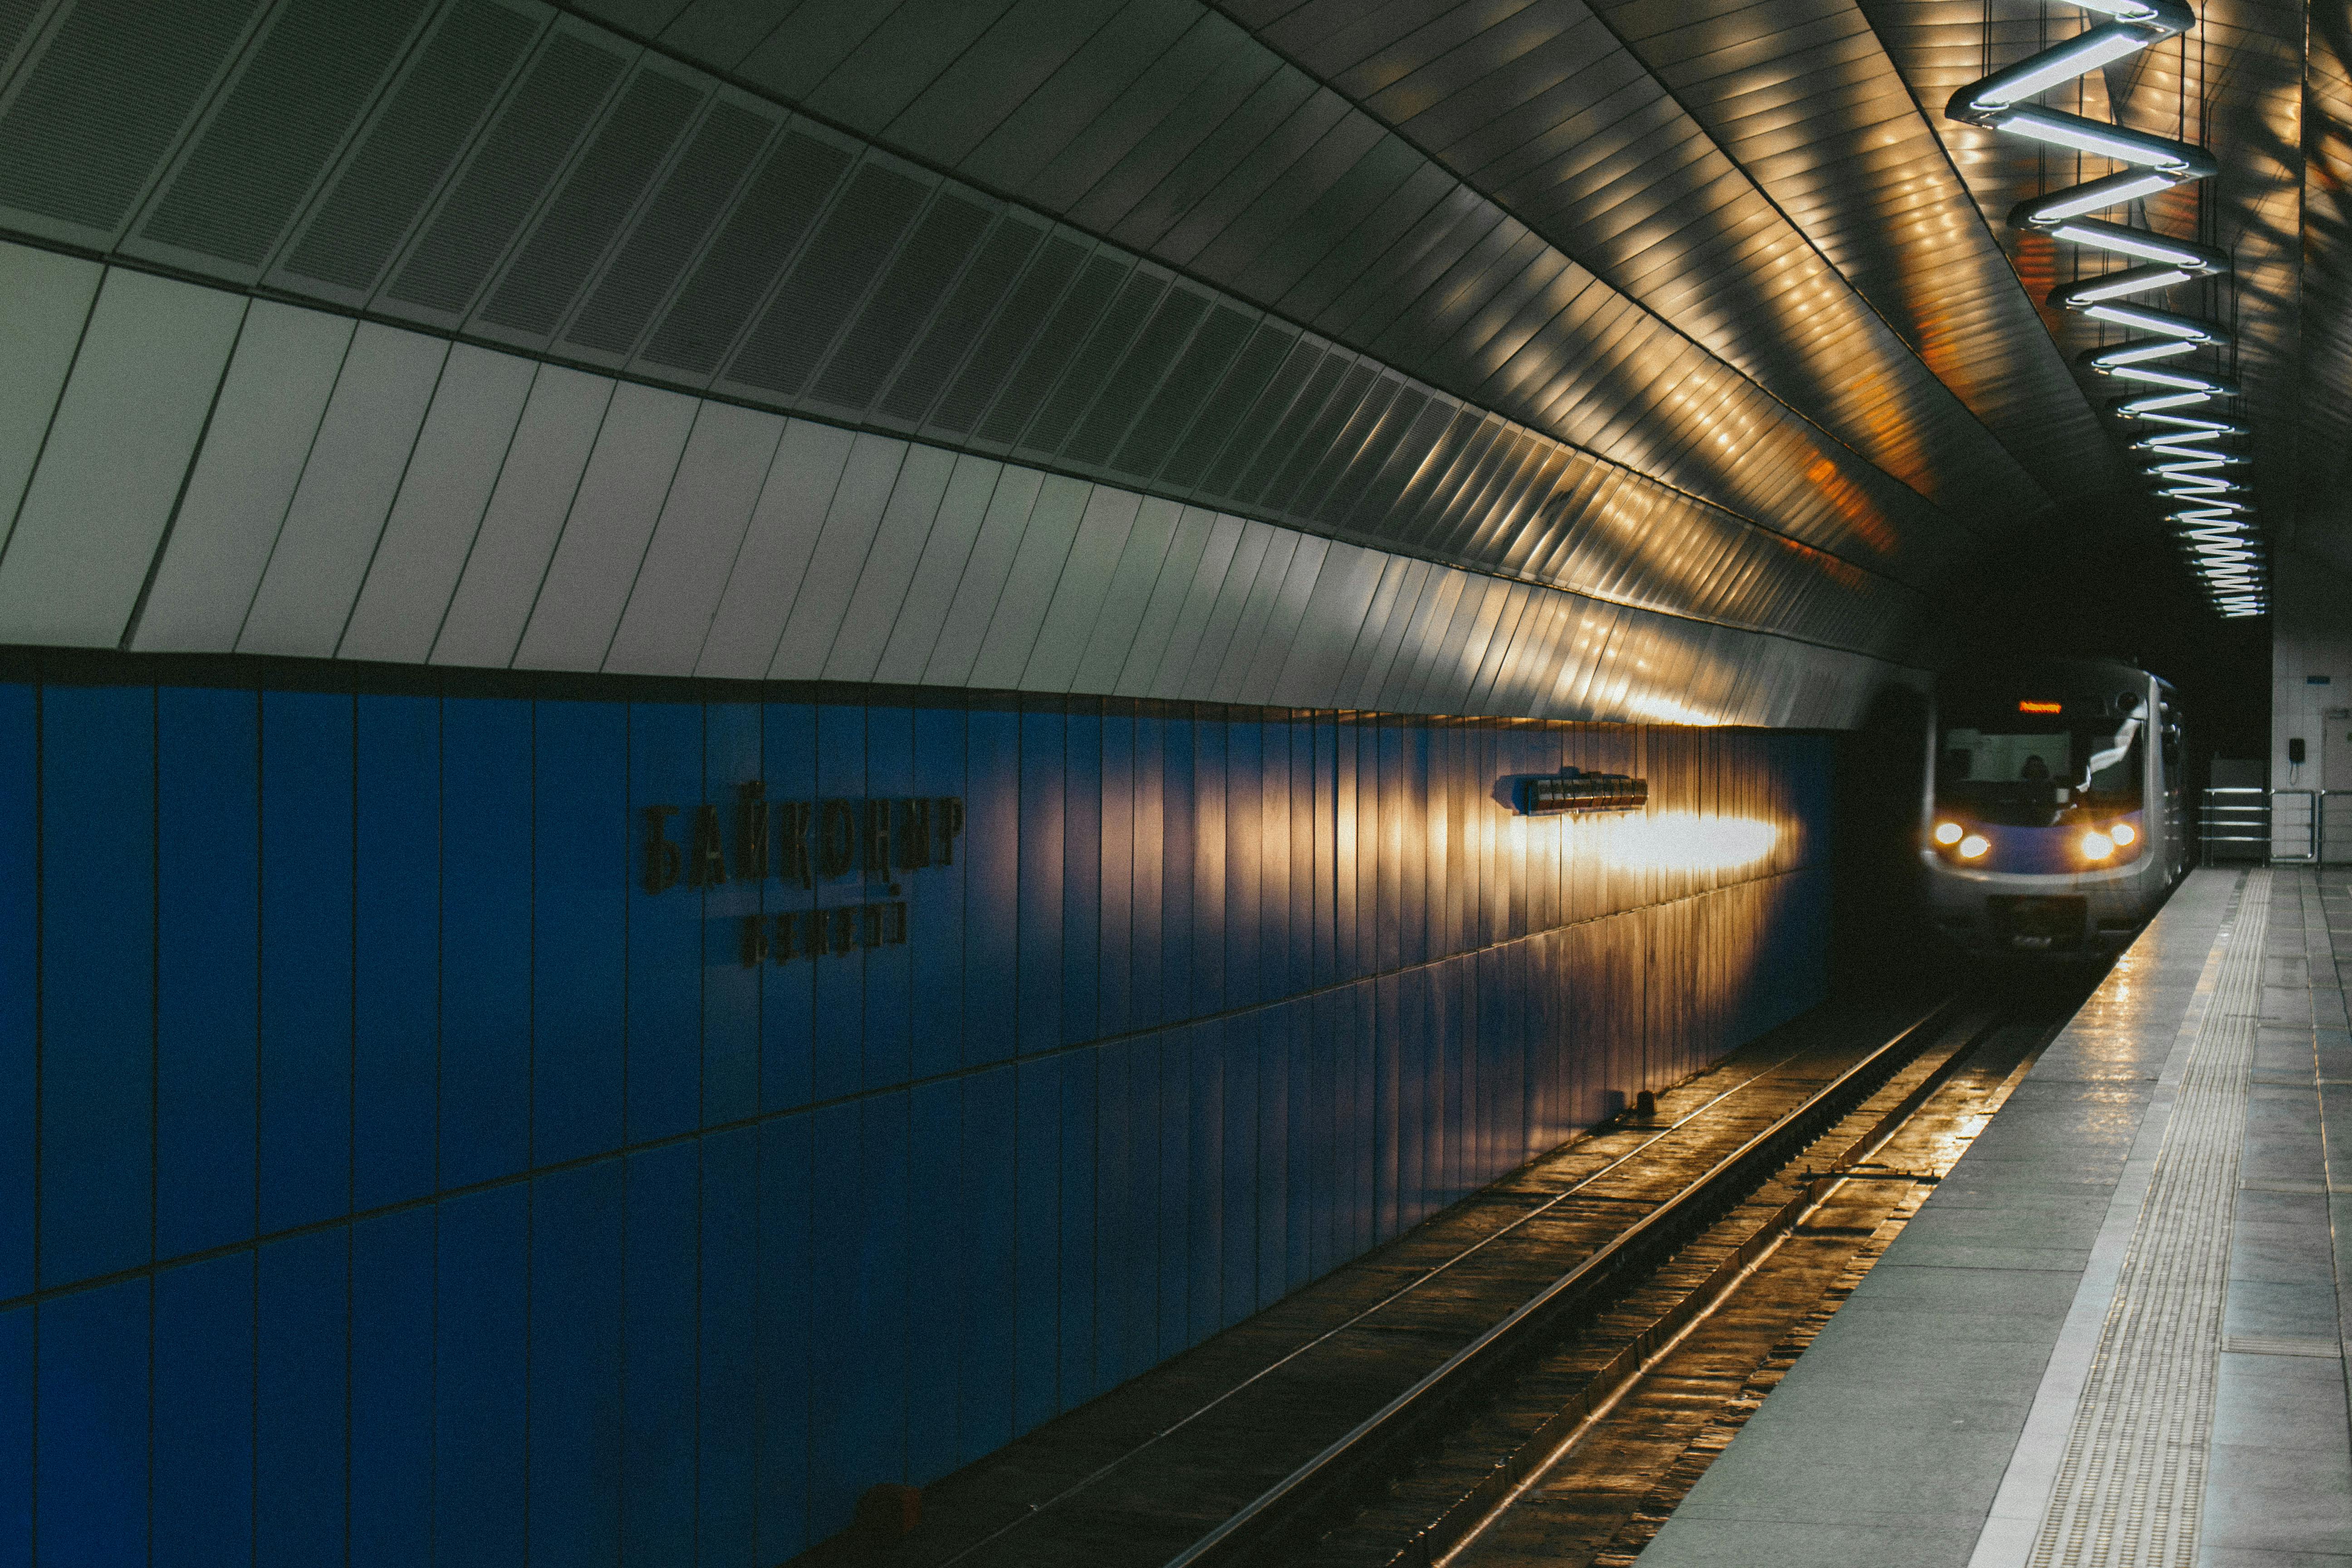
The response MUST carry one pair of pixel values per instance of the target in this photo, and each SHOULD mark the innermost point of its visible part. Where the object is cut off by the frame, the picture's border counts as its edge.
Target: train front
(2038, 840)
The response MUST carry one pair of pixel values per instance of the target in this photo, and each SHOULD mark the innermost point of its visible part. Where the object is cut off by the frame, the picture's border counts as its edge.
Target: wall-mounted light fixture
(1575, 790)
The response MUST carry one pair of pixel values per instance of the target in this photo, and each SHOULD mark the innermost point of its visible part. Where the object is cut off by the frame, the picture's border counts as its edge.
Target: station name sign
(804, 844)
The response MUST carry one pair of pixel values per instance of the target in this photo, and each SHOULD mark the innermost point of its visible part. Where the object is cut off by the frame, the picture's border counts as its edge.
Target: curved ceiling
(1701, 316)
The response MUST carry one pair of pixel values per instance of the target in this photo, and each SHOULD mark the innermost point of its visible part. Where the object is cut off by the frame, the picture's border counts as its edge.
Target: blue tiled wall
(387, 1176)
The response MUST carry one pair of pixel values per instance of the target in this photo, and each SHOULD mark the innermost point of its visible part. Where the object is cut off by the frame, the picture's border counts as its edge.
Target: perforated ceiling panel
(1673, 309)
(401, 158)
(99, 102)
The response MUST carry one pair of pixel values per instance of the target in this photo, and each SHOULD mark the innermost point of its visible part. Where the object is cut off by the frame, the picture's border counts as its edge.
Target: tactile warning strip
(2283, 1344)
(2133, 1478)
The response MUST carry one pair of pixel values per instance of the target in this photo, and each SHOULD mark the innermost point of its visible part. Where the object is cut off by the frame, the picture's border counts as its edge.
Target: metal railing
(2235, 824)
(2283, 826)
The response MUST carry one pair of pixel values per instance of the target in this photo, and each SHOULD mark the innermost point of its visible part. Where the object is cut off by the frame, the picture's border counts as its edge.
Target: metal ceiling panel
(236, 494)
(1119, 630)
(888, 570)
(820, 589)
(965, 626)
(606, 530)
(613, 314)
(759, 238)
(120, 438)
(98, 103)
(422, 126)
(1139, 660)
(262, 146)
(1032, 85)
(943, 242)
(2324, 495)
(443, 489)
(1648, 171)
(558, 188)
(337, 516)
(696, 540)
(954, 528)
(508, 561)
(548, 114)
(841, 258)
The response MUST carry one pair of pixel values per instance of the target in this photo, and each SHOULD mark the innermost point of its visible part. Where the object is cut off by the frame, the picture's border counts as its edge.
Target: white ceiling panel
(346, 492)
(696, 541)
(1284, 621)
(1077, 604)
(1123, 603)
(1200, 595)
(1232, 678)
(1169, 589)
(1200, 681)
(503, 570)
(117, 453)
(611, 523)
(820, 596)
(880, 596)
(1424, 630)
(774, 556)
(915, 631)
(442, 498)
(983, 584)
(1376, 644)
(1331, 626)
(276, 393)
(48, 298)
(1029, 586)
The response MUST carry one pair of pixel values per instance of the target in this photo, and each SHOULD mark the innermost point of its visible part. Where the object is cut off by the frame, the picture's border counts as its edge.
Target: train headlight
(2097, 846)
(1973, 847)
(1947, 833)
(2123, 834)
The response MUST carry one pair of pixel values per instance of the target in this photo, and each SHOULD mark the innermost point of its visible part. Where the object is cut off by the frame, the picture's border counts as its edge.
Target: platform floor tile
(2116, 1331)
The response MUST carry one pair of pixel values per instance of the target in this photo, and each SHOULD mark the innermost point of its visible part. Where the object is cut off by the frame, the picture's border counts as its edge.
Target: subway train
(2053, 820)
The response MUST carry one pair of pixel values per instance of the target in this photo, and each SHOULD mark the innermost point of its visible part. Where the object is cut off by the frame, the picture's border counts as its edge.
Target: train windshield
(2036, 768)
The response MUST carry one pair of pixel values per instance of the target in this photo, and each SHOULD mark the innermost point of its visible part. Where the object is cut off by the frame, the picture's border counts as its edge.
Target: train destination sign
(804, 843)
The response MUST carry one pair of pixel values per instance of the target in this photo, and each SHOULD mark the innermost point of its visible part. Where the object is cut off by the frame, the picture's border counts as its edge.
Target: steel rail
(1658, 1132)
(1370, 1450)
(1463, 1521)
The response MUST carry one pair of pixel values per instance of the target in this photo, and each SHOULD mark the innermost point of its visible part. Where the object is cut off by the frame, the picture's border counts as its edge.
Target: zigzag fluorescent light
(2179, 460)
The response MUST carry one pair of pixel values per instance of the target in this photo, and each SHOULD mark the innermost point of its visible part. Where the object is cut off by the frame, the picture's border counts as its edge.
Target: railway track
(1565, 1433)
(1390, 1411)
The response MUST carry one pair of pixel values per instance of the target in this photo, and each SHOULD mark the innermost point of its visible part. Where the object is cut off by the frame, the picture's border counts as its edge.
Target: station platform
(2115, 1332)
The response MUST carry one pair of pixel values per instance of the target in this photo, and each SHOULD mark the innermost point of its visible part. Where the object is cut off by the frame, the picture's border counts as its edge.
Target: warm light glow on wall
(1676, 841)
(1666, 710)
